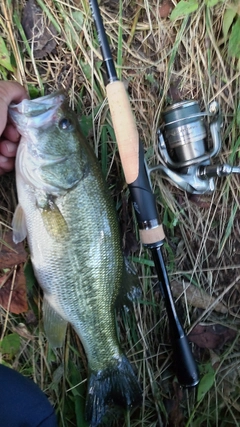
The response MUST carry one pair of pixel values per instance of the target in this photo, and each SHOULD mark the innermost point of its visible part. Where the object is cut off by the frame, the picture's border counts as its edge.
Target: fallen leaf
(165, 8)
(175, 91)
(206, 382)
(201, 200)
(196, 297)
(11, 254)
(228, 19)
(29, 274)
(211, 336)
(173, 407)
(78, 20)
(184, 8)
(211, 3)
(17, 292)
(39, 30)
(10, 344)
(5, 59)
(234, 42)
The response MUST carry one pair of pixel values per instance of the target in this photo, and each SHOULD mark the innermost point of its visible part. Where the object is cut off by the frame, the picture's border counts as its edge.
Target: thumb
(9, 92)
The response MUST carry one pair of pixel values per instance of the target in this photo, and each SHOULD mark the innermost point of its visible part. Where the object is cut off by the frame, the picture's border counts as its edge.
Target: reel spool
(184, 149)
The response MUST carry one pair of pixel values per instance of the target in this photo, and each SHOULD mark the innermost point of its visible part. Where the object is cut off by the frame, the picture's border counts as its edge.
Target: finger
(8, 148)
(9, 92)
(6, 164)
(11, 133)
(12, 91)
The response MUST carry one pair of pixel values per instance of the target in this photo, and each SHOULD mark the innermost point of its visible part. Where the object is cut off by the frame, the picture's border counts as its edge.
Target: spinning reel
(184, 150)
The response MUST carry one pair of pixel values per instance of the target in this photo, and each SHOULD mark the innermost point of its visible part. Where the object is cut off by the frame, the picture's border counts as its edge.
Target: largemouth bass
(66, 213)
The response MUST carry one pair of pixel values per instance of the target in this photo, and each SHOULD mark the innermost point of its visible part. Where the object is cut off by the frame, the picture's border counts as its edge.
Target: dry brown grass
(159, 57)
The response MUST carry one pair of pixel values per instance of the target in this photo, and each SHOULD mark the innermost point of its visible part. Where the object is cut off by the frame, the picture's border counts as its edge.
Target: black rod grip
(185, 365)
(143, 199)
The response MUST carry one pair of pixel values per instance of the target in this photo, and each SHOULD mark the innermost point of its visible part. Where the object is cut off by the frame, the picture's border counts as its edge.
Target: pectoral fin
(54, 221)
(19, 225)
(54, 325)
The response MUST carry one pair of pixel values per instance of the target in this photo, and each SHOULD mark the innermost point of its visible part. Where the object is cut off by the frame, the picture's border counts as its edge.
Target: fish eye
(65, 124)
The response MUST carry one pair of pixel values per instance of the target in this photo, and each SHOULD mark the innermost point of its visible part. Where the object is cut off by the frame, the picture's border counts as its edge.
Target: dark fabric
(22, 403)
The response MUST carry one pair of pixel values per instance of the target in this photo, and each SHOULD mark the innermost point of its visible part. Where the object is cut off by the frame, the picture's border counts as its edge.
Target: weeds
(194, 53)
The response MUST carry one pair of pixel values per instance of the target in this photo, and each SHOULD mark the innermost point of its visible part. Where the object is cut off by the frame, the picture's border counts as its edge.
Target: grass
(154, 57)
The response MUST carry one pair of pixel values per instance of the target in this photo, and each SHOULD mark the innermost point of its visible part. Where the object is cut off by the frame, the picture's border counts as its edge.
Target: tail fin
(117, 384)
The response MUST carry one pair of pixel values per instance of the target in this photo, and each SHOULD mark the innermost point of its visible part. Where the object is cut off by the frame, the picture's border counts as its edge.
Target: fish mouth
(37, 112)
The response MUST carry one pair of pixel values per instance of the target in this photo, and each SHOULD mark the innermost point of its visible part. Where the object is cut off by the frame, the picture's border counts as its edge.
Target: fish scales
(74, 242)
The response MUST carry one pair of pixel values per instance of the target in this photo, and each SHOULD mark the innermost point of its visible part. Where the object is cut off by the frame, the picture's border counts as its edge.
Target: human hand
(9, 92)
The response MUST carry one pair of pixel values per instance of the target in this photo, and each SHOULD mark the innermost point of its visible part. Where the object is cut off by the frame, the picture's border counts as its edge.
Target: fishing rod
(150, 230)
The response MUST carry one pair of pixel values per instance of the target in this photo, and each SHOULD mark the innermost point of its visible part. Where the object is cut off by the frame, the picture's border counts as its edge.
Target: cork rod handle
(125, 129)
